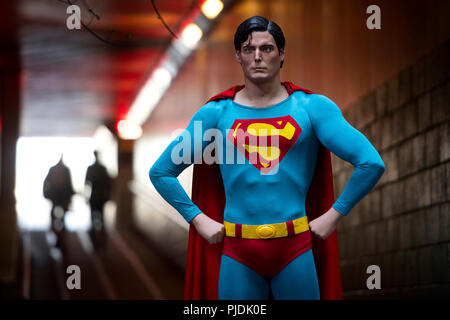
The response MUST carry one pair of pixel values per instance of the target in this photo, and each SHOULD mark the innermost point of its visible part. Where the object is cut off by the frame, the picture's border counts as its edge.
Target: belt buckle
(265, 231)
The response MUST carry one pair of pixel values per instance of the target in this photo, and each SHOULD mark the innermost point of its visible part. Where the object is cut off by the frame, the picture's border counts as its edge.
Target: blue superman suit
(271, 189)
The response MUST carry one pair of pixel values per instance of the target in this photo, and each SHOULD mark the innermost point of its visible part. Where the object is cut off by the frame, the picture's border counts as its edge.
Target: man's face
(259, 57)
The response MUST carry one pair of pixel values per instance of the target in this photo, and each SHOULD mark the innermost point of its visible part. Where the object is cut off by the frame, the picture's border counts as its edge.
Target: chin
(259, 78)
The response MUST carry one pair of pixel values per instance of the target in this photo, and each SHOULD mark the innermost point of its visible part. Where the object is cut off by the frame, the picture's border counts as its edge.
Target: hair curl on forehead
(258, 23)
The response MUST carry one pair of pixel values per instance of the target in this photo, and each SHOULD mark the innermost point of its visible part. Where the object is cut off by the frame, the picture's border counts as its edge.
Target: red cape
(203, 259)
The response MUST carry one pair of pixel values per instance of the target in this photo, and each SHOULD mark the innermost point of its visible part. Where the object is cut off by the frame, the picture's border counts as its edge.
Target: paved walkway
(115, 264)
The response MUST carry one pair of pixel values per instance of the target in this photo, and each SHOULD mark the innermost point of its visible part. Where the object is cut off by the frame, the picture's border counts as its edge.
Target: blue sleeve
(180, 154)
(338, 136)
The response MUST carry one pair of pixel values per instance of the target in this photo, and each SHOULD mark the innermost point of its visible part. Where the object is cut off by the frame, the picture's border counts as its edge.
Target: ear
(282, 54)
(238, 56)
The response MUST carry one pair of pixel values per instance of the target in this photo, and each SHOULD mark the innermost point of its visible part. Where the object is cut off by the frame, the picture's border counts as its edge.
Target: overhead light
(129, 130)
(162, 77)
(191, 35)
(149, 96)
(211, 8)
(157, 84)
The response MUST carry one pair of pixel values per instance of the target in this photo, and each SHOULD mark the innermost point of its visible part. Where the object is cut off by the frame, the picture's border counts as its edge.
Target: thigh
(298, 280)
(237, 281)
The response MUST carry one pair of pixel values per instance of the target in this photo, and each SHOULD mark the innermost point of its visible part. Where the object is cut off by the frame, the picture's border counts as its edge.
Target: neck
(258, 91)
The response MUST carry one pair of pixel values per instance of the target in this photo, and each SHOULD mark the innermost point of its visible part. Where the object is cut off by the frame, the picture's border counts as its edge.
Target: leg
(239, 282)
(97, 215)
(53, 218)
(91, 206)
(298, 280)
(101, 216)
(65, 209)
(58, 222)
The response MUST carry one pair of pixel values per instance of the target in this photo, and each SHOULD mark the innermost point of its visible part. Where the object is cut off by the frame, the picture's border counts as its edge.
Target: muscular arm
(338, 136)
(165, 171)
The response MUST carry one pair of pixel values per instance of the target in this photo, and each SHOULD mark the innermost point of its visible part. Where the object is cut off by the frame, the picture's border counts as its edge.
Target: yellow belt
(266, 231)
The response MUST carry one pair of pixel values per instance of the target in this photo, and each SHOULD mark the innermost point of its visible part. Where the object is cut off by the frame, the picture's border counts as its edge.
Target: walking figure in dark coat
(100, 184)
(59, 190)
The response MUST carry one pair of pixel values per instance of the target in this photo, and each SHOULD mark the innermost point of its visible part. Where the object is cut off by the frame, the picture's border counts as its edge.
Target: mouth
(259, 69)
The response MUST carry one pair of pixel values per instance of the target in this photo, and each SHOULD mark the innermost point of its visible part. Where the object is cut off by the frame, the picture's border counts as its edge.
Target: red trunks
(267, 256)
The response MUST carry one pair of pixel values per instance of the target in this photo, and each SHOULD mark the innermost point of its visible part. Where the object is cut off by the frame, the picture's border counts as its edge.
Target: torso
(264, 192)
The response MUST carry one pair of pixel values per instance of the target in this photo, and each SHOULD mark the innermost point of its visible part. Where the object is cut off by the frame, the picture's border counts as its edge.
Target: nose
(257, 55)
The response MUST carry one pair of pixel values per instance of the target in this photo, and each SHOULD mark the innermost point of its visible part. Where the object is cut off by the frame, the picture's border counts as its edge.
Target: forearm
(171, 190)
(363, 179)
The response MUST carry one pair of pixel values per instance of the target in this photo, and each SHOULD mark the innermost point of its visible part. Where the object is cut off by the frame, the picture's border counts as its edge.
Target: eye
(267, 49)
(248, 49)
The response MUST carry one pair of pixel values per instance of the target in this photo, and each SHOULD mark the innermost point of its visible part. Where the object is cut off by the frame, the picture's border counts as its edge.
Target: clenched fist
(324, 225)
(209, 229)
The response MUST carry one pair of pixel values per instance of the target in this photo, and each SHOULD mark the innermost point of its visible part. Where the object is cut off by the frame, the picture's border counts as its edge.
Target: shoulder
(227, 94)
(320, 105)
(210, 111)
(213, 106)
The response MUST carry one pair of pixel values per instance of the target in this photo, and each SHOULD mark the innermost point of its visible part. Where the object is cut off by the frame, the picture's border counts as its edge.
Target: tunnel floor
(113, 264)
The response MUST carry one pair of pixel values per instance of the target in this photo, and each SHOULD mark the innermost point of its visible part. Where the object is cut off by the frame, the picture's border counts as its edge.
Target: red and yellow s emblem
(264, 142)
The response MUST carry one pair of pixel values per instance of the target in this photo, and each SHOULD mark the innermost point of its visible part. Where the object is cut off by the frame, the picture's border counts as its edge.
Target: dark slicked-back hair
(258, 23)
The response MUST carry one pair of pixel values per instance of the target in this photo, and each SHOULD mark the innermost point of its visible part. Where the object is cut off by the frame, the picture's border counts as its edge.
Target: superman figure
(263, 218)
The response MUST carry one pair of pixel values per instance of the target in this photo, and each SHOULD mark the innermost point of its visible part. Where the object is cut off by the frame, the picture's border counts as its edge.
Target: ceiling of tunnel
(74, 80)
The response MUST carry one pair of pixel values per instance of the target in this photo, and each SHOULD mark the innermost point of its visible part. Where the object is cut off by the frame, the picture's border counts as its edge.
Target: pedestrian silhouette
(100, 183)
(59, 190)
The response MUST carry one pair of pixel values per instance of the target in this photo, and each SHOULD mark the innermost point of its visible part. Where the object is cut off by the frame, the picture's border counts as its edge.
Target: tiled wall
(402, 225)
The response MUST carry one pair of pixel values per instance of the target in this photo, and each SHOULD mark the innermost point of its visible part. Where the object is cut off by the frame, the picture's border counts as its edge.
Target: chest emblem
(264, 142)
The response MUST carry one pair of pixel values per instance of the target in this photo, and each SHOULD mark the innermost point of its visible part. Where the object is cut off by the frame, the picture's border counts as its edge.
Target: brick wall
(403, 224)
